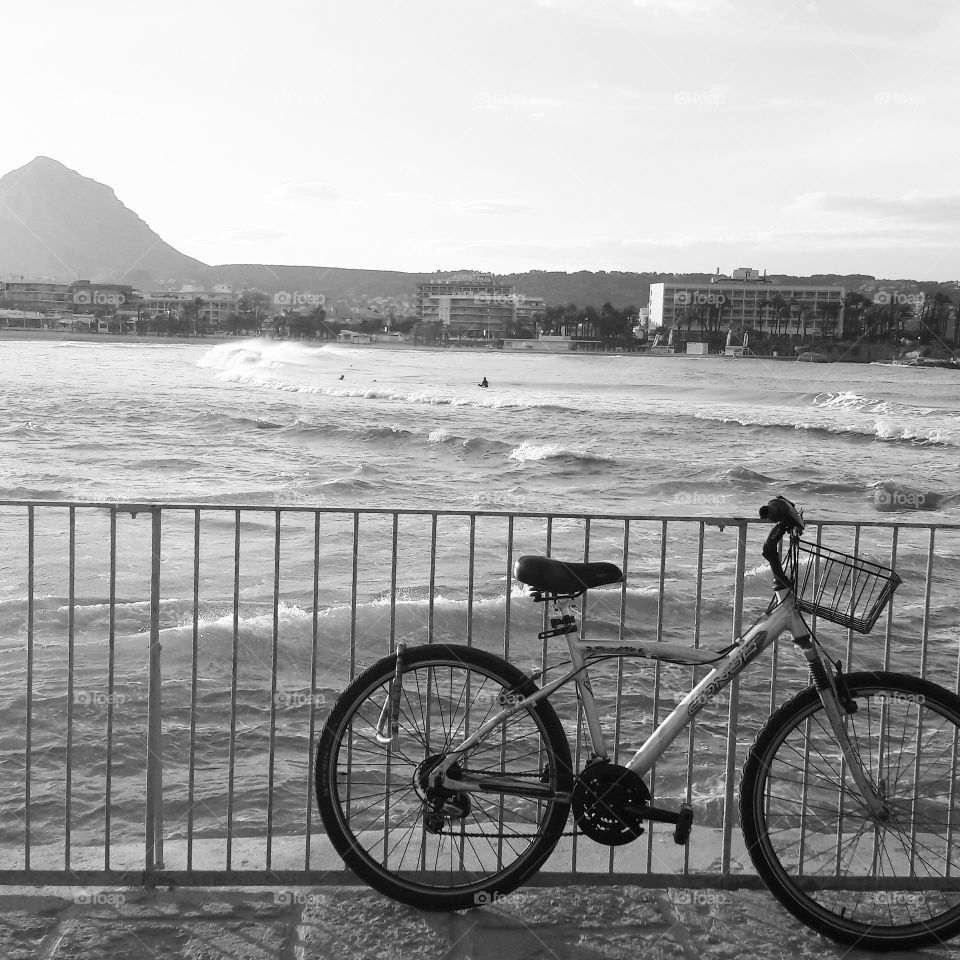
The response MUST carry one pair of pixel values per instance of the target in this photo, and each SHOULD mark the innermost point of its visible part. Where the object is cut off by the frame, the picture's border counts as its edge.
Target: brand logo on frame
(738, 660)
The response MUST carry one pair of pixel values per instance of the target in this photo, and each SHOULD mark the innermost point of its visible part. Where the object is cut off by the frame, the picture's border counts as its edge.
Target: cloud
(242, 235)
(917, 209)
(315, 191)
(498, 100)
(496, 208)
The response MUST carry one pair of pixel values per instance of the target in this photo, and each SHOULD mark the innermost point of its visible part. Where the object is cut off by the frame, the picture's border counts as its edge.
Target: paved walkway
(553, 923)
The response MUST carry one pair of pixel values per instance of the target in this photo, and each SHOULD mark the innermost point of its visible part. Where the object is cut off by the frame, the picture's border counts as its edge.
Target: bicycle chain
(513, 773)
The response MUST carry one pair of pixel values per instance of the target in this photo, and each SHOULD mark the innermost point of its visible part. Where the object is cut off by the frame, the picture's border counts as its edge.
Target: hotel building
(474, 306)
(746, 299)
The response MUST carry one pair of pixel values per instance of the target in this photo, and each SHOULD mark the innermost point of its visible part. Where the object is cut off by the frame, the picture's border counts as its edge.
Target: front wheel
(880, 882)
(428, 846)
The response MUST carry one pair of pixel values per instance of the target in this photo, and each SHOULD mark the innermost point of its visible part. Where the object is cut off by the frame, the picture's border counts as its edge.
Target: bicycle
(444, 776)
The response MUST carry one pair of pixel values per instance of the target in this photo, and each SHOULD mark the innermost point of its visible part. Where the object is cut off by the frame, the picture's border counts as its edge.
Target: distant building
(44, 298)
(474, 306)
(747, 299)
(216, 305)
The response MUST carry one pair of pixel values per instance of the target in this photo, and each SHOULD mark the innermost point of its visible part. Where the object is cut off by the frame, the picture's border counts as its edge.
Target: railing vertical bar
(234, 671)
(313, 685)
(697, 620)
(354, 592)
(621, 630)
(471, 573)
(28, 764)
(733, 716)
(111, 661)
(72, 576)
(887, 634)
(850, 640)
(661, 601)
(928, 586)
(154, 826)
(546, 613)
(954, 777)
(393, 590)
(433, 576)
(195, 648)
(274, 663)
(586, 559)
(509, 590)
(841, 799)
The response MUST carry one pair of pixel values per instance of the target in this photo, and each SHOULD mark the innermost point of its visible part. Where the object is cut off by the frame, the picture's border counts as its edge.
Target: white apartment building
(745, 298)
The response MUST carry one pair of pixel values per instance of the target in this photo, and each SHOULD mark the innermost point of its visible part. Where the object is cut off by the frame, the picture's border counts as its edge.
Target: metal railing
(166, 668)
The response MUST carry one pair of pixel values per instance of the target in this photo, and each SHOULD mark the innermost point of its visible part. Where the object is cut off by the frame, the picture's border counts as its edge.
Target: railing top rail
(716, 521)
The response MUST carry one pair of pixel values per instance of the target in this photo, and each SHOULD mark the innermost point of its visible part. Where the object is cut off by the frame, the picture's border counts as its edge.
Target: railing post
(733, 716)
(154, 806)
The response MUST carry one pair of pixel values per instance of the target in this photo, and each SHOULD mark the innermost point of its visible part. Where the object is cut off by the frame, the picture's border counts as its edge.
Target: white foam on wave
(531, 451)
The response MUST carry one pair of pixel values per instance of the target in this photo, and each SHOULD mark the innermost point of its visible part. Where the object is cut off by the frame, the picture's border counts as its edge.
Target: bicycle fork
(838, 706)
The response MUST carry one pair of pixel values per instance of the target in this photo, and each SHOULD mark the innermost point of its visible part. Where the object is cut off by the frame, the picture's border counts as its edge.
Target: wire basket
(841, 588)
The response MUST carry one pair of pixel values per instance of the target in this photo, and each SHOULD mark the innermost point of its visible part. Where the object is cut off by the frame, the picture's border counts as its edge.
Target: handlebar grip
(786, 518)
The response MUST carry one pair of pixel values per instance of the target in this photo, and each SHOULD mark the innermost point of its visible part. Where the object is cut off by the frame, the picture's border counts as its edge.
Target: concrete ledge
(556, 923)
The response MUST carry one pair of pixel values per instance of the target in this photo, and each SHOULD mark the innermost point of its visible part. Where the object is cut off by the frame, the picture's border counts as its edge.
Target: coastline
(75, 336)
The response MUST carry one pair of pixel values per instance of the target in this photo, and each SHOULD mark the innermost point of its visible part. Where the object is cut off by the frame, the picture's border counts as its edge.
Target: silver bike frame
(784, 618)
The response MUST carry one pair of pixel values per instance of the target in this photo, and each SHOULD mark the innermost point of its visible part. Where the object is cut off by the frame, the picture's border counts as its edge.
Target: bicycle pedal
(681, 832)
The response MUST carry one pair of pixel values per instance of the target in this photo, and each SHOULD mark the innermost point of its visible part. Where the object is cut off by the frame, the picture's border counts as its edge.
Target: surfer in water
(483, 383)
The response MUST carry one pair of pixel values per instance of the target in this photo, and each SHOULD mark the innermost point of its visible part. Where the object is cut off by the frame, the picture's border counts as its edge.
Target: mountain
(56, 223)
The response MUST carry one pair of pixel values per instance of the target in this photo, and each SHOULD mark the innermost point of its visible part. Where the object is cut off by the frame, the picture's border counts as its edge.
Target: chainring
(601, 796)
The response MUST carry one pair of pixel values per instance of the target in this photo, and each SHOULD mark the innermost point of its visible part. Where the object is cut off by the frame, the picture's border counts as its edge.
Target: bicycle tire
(371, 799)
(878, 884)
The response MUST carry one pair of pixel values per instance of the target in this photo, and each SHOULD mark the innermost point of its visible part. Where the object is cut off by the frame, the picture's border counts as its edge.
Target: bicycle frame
(784, 618)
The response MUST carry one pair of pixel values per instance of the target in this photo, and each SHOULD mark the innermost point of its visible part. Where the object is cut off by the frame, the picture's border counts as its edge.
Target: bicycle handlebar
(787, 517)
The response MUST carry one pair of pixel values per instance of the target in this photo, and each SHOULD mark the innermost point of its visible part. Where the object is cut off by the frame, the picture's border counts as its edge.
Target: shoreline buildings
(746, 299)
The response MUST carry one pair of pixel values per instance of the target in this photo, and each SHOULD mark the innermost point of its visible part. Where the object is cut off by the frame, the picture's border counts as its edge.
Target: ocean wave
(878, 430)
(531, 451)
(25, 429)
(891, 495)
(740, 473)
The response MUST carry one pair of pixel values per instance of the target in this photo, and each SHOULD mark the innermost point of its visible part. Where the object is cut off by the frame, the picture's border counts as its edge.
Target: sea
(392, 492)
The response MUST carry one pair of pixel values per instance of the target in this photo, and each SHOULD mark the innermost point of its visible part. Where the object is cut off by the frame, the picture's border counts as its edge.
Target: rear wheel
(413, 840)
(883, 883)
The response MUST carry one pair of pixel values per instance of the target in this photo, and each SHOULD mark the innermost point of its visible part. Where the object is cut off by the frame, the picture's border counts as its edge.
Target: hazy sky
(508, 134)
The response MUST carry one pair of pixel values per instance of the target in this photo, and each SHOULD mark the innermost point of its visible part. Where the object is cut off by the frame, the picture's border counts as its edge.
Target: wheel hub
(441, 805)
